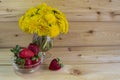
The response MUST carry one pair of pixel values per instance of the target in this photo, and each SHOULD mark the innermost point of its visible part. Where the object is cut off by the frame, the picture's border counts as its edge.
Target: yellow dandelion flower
(43, 31)
(54, 31)
(50, 18)
(31, 12)
(44, 21)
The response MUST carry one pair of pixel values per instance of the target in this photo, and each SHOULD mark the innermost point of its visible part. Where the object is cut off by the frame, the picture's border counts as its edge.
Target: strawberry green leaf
(61, 65)
(39, 54)
(20, 61)
(16, 50)
(57, 59)
(33, 58)
(12, 50)
(17, 47)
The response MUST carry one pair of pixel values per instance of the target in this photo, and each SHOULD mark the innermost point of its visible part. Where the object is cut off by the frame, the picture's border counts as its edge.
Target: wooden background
(91, 49)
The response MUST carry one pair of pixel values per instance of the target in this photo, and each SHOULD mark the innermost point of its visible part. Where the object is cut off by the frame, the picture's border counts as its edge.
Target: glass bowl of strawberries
(27, 60)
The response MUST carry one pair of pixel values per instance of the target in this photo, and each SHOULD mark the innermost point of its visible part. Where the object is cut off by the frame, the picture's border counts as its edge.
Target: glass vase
(45, 43)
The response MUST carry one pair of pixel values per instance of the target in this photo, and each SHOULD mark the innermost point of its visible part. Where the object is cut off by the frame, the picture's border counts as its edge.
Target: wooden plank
(85, 55)
(76, 10)
(80, 34)
(68, 72)
(74, 55)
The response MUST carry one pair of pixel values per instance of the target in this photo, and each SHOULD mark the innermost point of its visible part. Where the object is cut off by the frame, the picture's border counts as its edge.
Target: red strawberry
(34, 48)
(55, 65)
(26, 53)
(28, 63)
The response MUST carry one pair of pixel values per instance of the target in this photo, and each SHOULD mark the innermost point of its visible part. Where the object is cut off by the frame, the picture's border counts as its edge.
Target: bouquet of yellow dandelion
(43, 21)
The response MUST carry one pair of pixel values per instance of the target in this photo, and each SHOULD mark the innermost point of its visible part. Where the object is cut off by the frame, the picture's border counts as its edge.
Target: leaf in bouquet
(50, 44)
(36, 39)
(46, 47)
(40, 40)
(44, 44)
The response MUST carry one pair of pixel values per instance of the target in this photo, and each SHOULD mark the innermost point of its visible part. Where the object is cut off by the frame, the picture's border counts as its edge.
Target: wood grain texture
(90, 51)
(74, 55)
(81, 63)
(68, 72)
(76, 10)
(80, 34)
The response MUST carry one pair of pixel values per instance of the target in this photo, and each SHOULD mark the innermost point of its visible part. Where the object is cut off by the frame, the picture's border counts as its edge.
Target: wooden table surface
(90, 51)
(81, 63)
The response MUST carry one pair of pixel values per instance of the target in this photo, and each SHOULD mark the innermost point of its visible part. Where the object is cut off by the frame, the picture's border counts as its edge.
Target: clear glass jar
(45, 43)
(26, 69)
